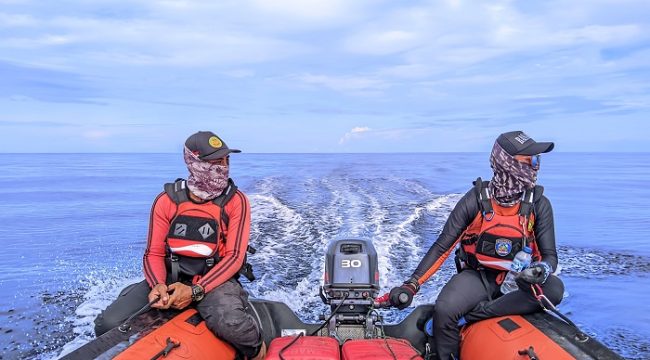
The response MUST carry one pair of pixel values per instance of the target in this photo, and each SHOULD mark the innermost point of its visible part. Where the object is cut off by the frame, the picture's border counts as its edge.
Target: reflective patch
(503, 246)
(192, 250)
(180, 229)
(206, 230)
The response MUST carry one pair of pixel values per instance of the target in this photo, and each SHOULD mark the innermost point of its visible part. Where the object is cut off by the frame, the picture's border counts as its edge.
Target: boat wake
(291, 229)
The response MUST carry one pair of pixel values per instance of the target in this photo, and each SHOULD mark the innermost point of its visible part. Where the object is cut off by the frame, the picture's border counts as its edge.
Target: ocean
(73, 229)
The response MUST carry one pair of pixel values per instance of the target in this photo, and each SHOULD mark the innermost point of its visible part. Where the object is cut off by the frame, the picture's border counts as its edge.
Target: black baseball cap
(518, 143)
(208, 146)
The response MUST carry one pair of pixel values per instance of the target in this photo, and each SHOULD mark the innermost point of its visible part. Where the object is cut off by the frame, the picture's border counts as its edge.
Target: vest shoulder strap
(531, 196)
(224, 198)
(226, 195)
(484, 198)
(177, 191)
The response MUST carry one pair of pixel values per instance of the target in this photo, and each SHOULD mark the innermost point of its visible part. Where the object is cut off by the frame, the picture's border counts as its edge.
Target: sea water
(73, 229)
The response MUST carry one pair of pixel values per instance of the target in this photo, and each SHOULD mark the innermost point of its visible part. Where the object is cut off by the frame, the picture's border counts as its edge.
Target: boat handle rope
(549, 307)
(125, 326)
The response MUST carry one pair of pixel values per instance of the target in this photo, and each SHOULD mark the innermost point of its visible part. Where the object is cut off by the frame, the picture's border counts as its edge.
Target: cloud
(173, 33)
(240, 73)
(382, 63)
(16, 20)
(355, 133)
(345, 84)
(139, 42)
(95, 134)
(444, 40)
(23, 83)
(34, 123)
(306, 10)
(382, 42)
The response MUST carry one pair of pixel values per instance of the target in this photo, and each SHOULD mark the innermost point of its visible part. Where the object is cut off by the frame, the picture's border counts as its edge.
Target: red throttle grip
(382, 301)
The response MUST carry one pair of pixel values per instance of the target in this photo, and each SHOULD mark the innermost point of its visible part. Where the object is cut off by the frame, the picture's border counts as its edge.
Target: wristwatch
(197, 293)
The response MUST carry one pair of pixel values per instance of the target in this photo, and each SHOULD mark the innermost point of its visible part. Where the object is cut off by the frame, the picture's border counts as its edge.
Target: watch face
(197, 293)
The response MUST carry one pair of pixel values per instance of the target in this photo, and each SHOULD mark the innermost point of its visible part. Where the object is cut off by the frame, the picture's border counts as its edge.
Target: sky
(273, 76)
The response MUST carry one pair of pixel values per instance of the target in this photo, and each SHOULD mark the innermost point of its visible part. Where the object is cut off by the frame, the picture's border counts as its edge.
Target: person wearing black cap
(196, 250)
(492, 222)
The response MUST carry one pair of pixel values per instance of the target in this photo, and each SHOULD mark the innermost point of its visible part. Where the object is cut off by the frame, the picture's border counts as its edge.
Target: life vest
(197, 233)
(498, 233)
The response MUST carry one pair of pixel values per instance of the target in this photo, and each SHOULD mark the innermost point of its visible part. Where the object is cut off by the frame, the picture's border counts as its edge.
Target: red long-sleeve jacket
(232, 251)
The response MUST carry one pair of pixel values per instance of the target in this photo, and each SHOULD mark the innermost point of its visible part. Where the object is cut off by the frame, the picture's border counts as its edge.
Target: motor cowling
(351, 275)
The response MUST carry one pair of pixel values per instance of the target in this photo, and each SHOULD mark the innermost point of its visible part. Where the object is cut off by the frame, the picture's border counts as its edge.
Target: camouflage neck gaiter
(511, 178)
(206, 180)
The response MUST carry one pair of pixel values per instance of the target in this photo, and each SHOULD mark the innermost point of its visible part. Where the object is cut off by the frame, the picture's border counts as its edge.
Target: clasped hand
(175, 296)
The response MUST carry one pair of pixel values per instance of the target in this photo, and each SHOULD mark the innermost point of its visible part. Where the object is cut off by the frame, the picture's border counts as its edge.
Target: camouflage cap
(208, 146)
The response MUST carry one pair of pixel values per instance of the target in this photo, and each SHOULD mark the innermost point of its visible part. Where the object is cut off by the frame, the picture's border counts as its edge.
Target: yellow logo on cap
(215, 142)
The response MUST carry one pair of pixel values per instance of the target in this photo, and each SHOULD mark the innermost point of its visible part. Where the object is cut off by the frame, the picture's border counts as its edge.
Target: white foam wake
(97, 298)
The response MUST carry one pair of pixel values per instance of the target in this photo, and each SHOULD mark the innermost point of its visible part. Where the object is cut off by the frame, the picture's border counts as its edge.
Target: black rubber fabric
(130, 300)
(224, 310)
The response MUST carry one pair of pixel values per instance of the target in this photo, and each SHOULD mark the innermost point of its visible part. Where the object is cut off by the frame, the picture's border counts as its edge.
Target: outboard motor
(351, 283)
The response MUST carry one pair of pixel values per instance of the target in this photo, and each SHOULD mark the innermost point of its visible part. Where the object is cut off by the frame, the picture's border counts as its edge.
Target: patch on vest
(206, 230)
(503, 246)
(180, 229)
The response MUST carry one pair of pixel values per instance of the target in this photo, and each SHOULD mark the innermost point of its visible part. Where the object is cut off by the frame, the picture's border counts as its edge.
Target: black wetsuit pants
(466, 295)
(223, 309)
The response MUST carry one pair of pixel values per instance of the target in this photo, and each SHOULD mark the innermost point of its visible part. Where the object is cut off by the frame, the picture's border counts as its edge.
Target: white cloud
(306, 10)
(355, 133)
(359, 85)
(30, 43)
(382, 42)
(16, 20)
(445, 37)
(392, 63)
(240, 73)
(95, 134)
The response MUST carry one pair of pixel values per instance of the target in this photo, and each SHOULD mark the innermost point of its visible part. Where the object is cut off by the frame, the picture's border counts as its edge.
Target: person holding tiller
(492, 222)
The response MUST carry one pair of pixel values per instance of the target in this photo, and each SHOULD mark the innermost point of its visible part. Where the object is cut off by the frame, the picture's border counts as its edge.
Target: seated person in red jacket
(197, 243)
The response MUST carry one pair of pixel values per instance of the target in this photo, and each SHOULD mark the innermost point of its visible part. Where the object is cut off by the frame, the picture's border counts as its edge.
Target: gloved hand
(536, 273)
(402, 296)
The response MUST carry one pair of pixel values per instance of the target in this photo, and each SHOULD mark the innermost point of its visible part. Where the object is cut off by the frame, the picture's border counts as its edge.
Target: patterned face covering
(206, 180)
(511, 177)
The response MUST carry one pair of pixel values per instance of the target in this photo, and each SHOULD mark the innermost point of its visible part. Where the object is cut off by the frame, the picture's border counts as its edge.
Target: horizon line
(312, 153)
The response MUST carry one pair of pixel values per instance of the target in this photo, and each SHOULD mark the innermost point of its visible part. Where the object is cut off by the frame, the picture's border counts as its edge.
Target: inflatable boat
(352, 329)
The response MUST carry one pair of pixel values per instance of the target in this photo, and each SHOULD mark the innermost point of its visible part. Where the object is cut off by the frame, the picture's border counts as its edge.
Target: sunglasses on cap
(533, 160)
(220, 161)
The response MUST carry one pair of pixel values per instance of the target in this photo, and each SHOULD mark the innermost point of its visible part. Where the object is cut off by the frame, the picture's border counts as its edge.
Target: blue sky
(323, 76)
